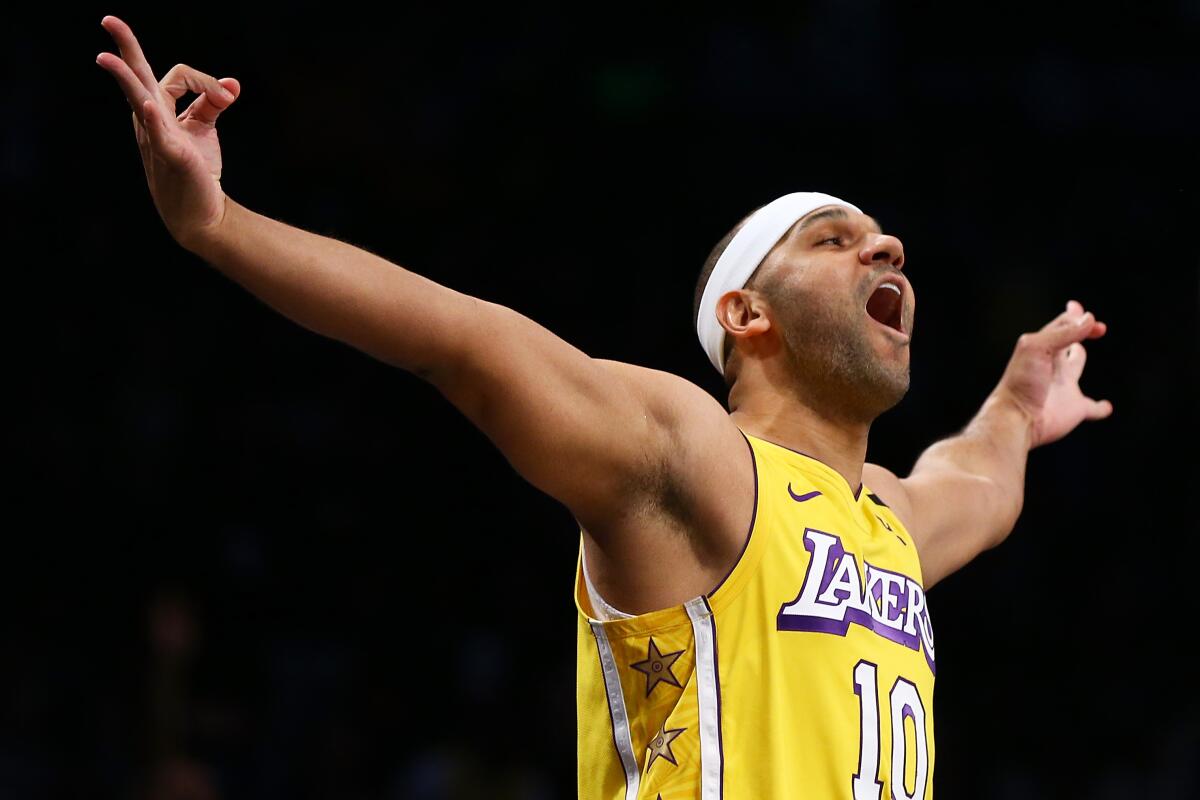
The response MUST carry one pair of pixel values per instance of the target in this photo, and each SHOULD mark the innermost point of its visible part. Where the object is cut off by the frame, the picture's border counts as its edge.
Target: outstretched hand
(1042, 376)
(180, 154)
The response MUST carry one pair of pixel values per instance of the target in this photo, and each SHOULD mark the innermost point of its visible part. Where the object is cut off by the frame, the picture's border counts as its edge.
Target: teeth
(892, 286)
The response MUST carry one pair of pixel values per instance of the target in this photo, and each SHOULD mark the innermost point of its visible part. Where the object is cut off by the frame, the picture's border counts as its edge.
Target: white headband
(742, 256)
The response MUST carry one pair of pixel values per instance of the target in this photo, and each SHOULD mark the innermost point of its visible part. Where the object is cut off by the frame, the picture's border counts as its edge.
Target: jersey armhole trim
(741, 559)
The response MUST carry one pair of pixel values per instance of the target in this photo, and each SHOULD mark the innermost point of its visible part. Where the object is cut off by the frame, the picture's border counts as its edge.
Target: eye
(835, 239)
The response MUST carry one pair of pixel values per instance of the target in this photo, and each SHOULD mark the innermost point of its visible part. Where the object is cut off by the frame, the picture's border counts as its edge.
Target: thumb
(1099, 409)
(209, 104)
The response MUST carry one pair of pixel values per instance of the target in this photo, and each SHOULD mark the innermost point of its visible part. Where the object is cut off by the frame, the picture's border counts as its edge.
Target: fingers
(131, 51)
(1074, 357)
(137, 81)
(1072, 325)
(152, 122)
(1063, 331)
(1075, 354)
(130, 69)
(1071, 361)
(1064, 336)
(1074, 310)
(1099, 409)
(160, 135)
(1072, 314)
(214, 98)
(135, 92)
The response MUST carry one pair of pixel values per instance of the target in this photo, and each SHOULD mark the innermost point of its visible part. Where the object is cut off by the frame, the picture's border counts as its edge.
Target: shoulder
(694, 422)
(671, 393)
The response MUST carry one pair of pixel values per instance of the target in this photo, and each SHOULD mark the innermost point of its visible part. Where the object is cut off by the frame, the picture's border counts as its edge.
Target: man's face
(844, 310)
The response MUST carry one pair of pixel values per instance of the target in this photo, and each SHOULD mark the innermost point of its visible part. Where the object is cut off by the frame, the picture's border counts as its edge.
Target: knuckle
(173, 73)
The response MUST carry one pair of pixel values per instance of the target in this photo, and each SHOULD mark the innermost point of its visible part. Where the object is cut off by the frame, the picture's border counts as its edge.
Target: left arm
(965, 492)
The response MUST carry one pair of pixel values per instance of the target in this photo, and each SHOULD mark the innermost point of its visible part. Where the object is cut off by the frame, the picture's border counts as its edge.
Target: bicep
(590, 433)
(951, 515)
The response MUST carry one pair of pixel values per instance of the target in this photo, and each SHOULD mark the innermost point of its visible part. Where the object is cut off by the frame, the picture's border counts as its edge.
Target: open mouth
(886, 306)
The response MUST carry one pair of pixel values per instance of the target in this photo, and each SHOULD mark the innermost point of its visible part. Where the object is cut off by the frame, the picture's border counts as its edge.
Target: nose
(882, 247)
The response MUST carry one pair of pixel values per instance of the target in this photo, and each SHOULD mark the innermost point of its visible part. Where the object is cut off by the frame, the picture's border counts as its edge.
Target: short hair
(706, 271)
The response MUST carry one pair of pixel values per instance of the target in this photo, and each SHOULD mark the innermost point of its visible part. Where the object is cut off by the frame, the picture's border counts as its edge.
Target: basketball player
(753, 622)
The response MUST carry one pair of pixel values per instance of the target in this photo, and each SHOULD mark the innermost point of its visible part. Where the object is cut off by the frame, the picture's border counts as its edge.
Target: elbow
(450, 354)
(1006, 511)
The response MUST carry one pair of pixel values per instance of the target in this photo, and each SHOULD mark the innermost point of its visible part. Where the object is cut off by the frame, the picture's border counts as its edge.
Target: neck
(784, 419)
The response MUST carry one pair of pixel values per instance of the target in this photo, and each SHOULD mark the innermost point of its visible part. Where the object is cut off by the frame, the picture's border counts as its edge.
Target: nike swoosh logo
(800, 498)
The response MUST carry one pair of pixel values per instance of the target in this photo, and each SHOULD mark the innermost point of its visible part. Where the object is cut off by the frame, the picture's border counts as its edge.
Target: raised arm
(965, 493)
(600, 436)
(591, 433)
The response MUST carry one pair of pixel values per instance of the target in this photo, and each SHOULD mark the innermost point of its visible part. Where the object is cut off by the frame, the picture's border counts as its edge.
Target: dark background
(244, 560)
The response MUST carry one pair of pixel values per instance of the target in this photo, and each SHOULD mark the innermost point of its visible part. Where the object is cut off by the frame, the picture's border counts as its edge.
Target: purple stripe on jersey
(717, 678)
(753, 517)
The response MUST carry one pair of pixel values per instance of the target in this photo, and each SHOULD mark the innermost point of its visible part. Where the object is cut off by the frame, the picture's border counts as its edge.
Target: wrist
(1012, 414)
(209, 239)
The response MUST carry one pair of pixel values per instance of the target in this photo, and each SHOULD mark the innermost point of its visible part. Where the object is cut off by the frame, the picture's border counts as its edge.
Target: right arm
(593, 434)
(604, 438)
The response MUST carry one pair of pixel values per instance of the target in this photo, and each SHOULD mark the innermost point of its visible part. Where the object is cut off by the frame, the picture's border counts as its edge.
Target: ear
(743, 314)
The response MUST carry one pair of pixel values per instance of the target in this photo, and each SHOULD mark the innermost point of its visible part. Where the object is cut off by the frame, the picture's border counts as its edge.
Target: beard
(833, 364)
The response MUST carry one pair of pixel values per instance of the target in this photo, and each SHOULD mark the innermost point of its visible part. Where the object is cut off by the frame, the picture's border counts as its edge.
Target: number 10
(905, 702)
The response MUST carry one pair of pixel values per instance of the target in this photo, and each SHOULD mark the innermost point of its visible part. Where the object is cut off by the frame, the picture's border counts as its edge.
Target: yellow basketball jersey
(807, 674)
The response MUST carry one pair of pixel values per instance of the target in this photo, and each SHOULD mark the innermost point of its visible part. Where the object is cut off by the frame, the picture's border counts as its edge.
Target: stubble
(835, 367)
